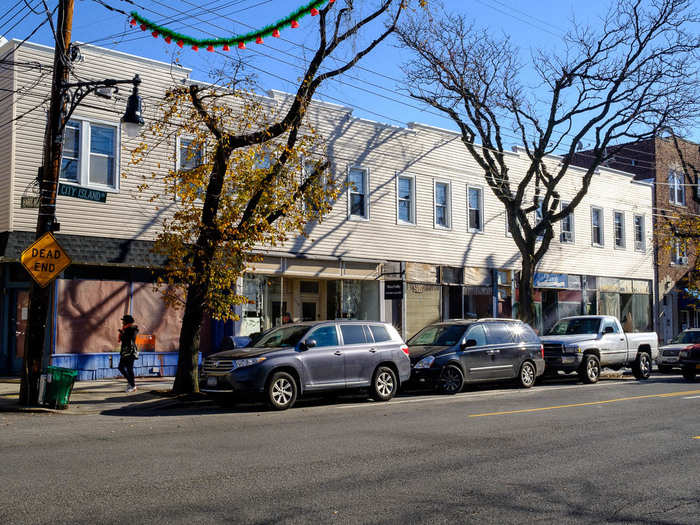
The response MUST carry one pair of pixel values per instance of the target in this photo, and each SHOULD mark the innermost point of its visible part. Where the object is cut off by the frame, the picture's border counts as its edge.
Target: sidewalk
(91, 397)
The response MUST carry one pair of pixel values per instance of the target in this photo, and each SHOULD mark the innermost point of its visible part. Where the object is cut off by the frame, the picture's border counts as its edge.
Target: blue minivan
(301, 358)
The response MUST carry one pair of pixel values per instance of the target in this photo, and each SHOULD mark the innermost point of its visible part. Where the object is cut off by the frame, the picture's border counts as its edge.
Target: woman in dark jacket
(129, 350)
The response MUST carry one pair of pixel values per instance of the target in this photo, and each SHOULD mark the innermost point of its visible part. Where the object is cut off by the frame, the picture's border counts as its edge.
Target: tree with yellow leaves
(248, 190)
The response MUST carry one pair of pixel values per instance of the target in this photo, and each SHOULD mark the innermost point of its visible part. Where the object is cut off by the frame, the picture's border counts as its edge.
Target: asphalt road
(620, 451)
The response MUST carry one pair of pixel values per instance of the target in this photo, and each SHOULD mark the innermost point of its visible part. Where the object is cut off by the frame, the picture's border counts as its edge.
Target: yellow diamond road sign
(45, 259)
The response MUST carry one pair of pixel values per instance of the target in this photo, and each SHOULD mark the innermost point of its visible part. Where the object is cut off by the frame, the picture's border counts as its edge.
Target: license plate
(211, 381)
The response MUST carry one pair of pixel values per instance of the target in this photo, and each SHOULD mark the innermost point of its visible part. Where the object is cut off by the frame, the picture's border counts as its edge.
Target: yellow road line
(572, 405)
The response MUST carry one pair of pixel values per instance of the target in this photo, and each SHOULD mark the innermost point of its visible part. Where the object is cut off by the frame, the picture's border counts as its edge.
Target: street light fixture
(132, 118)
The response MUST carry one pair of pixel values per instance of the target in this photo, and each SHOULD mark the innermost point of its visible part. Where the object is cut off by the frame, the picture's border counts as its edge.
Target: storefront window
(353, 299)
(422, 306)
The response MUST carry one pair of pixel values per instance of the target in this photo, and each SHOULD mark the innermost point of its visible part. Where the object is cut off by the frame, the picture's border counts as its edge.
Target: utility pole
(40, 298)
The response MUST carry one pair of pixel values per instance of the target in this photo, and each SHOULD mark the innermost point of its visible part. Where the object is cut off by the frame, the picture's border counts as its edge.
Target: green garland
(240, 40)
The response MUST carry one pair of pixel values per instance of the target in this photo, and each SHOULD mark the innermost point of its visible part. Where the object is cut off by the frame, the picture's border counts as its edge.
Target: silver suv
(301, 358)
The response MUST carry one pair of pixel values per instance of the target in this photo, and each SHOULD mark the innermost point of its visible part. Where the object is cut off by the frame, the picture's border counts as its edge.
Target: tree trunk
(186, 377)
(526, 300)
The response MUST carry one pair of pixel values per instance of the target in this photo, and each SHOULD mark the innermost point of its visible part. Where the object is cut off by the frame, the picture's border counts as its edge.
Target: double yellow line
(591, 403)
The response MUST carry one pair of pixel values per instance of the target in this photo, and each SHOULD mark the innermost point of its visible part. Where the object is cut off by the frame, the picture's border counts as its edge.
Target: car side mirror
(608, 330)
(309, 343)
(468, 343)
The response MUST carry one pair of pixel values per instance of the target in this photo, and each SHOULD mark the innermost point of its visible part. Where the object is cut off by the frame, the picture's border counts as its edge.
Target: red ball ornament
(226, 48)
(143, 27)
(168, 39)
(259, 40)
(241, 45)
(195, 48)
(210, 48)
(133, 22)
(180, 43)
(294, 24)
(276, 33)
(155, 34)
(313, 11)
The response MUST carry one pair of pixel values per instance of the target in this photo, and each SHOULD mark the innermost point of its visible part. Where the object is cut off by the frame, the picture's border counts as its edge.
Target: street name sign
(68, 190)
(45, 259)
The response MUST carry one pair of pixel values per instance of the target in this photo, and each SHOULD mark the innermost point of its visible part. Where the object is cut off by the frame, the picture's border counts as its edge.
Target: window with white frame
(680, 252)
(358, 202)
(567, 226)
(619, 228)
(442, 204)
(475, 209)
(676, 188)
(597, 238)
(91, 154)
(639, 243)
(406, 199)
(189, 155)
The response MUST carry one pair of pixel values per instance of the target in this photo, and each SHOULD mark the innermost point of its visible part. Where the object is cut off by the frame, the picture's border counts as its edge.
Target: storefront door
(11, 363)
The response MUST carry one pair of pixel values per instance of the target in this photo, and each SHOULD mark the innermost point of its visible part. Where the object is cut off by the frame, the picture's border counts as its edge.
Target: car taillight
(404, 349)
(542, 351)
(689, 347)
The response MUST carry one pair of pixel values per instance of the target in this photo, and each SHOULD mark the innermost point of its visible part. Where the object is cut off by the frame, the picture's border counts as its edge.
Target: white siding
(7, 98)
(423, 152)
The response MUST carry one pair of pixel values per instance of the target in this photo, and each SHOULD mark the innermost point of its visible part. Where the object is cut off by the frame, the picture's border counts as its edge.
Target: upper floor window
(597, 226)
(567, 226)
(189, 156)
(619, 227)
(91, 154)
(680, 252)
(676, 189)
(475, 209)
(406, 199)
(639, 243)
(442, 204)
(358, 205)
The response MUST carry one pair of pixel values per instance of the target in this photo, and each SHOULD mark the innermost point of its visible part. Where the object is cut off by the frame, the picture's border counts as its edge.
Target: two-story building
(676, 194)
(416, 235)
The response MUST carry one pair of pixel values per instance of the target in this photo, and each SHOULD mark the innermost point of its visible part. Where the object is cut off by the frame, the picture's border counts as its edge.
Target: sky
(374, 90)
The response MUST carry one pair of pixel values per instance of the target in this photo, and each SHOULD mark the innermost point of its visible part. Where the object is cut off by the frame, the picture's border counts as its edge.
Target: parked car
(301, 358)
(689, 361)
(668, 354)
(585, 343)
(446, 355)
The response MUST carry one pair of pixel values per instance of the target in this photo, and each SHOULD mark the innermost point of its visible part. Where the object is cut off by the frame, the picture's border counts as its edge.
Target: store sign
(45, 259)
(551, 280)
(67, 190)
(393, 290)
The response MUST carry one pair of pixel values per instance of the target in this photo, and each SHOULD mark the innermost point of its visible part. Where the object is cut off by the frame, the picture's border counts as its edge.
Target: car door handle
(337, 352)
(372, 350)
(622, 339)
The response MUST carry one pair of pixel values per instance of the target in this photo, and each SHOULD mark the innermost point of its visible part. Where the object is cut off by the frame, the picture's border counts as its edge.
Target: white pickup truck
(585, 343)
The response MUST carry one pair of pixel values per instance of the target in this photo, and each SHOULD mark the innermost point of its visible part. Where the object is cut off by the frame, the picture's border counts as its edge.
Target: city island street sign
(45, 259)
(68, 190)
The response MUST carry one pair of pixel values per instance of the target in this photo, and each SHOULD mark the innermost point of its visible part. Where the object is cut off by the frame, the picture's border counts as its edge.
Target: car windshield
(283, 336)
(438, 335)
(687, 337)
(576, 326)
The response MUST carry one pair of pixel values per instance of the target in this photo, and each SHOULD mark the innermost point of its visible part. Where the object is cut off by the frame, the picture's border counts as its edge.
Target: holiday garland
(168, 35)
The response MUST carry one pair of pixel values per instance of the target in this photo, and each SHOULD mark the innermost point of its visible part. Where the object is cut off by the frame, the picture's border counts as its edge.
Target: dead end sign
(45, 259)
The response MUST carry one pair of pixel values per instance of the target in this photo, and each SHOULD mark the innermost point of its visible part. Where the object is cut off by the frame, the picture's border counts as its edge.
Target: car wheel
(641, 368)
(384, 384)
(528, 375)
(281, 391)
(590, 369)
(451, 380)
(689, 373)
(665, 369)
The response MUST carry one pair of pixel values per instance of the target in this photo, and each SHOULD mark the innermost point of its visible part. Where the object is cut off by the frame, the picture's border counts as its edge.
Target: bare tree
(339, 38)
(623, 81)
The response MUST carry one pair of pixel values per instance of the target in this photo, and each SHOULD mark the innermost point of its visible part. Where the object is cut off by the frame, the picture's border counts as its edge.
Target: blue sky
(374, 90)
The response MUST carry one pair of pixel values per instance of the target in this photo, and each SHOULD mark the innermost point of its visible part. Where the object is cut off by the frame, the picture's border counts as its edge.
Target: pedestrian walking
(129, 351)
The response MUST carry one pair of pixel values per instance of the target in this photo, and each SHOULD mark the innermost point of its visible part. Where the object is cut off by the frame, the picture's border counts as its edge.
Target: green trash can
(59, 385)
